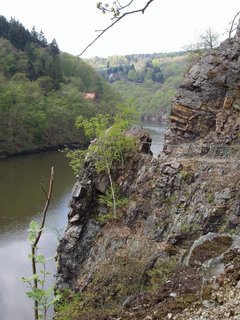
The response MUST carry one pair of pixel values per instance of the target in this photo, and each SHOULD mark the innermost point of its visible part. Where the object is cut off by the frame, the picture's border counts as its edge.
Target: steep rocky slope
(208, 99)
(174, 250)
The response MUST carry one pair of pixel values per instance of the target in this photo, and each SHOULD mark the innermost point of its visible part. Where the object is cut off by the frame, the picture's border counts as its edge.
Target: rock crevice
(181, 219)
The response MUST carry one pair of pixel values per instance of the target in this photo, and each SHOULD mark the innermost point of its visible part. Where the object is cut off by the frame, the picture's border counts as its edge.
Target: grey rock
(102, 183)
(75, 218)
(203, 239)
(208, 304)
(77, 189)
(167, 215)
(209, 87)
(222, 196)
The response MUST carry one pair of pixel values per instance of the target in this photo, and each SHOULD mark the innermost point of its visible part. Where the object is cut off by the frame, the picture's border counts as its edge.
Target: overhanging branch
(116, 8)
(142, 10)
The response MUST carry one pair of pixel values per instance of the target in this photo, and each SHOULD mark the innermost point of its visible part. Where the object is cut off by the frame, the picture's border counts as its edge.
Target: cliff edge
(174, 250)
(208, 98)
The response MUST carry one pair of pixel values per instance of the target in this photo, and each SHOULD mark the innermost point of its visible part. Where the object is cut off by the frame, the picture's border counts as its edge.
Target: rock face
(209, 97)
(83, 226)
(174, 250)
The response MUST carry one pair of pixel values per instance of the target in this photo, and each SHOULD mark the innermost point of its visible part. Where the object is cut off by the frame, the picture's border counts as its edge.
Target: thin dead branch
(117, 7)
(43, 189)
(117, 19)
(44, 212)
(233, 25)
(38, 236)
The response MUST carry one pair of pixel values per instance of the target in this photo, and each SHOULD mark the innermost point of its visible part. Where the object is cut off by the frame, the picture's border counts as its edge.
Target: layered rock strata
(208, 100)
(174, 250)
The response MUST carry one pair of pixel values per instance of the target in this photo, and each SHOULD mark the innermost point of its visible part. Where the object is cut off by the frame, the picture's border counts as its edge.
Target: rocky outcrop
(84, 226)
(173, 250)
(208, 100)
(179, 217)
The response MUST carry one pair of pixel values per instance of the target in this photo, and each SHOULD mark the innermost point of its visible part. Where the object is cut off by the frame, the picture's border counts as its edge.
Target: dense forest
(43, 90)
(151, 79)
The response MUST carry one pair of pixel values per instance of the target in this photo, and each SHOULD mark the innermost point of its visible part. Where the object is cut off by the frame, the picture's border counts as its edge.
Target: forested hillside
(43, 90)
(151, 79)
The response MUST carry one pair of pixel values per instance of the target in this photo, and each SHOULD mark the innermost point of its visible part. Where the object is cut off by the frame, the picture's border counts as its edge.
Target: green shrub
(116, 279)
(162, 271)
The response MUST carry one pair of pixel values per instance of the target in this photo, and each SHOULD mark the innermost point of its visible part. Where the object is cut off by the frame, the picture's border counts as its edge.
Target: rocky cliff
(208, 100)
(174, 250)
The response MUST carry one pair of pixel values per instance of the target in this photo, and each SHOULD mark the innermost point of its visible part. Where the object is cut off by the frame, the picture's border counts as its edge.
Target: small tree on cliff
(208, 39)
(43, 298)
(111, 143)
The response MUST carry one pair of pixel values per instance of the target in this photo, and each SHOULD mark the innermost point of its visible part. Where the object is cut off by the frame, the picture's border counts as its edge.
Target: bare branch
(38, 236)
(116, 7)
(118, 18)
(123, 7)
(120, 7)
(208, 39)
(43, 189)
(44, 212)
(232, 28)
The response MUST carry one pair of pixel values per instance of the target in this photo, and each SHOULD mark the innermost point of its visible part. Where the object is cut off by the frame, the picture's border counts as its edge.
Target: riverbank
(21, 201)
(155, 128)
(73, 145)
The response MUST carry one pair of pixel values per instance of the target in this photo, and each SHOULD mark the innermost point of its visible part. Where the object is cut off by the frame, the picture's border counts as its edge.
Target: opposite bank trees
(109, 148)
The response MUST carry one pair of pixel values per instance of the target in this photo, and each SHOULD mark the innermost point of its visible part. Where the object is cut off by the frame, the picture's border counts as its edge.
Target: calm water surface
(156, 132)
(21, 200)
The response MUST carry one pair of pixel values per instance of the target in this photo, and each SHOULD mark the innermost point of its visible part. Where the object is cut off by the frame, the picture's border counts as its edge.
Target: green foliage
(176, 305)
(77, 158)
(107, 200)
(162, 272)
(33, 230)
(103, 218)
(42, 92)
(36, 282)
(188, 228)
(210, 198)
(151, 79)
(114, 281)
(187, 175)
(172, 199)
(111, 145)
(45, 297)
(29, 53)
(68, 307)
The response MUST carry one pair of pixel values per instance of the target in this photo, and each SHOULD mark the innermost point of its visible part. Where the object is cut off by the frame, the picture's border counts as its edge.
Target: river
(156, 132)
(22, 200)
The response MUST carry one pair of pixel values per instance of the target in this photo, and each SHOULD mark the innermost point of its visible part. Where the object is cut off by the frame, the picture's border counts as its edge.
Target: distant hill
(43, 90)
(151, 79)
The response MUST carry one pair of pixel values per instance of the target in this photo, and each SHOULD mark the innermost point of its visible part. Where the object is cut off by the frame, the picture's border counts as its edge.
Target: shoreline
(76, 145)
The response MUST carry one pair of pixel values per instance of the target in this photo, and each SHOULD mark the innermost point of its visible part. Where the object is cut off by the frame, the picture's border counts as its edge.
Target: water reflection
(21, 200)
(21, 196)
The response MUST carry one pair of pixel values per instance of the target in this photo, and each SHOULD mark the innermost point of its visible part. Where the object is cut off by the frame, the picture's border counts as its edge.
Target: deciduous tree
(111, 144)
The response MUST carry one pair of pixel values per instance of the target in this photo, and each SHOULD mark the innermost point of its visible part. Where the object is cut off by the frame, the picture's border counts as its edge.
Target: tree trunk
(38, 236)
(112, 191)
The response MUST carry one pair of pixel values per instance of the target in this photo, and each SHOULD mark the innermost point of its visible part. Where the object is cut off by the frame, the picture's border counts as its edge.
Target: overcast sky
(167, 25)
